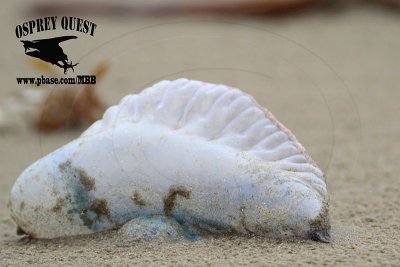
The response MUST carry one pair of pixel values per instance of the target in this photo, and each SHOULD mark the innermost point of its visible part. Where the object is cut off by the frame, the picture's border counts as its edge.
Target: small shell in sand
(205, 155)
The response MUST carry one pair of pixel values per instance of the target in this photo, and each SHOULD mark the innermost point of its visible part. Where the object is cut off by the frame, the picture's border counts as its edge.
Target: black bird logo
(49, 50)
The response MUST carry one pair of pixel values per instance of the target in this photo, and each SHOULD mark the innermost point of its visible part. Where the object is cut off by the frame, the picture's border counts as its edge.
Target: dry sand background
(348, 121)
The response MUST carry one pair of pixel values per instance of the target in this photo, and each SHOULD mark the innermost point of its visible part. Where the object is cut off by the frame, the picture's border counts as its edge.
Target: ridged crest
(218, 113)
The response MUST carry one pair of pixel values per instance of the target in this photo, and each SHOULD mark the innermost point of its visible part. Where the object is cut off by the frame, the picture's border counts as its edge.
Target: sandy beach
(331, 75)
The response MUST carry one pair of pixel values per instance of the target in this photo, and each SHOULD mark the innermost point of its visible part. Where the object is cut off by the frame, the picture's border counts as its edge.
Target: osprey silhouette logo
(49, 50)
